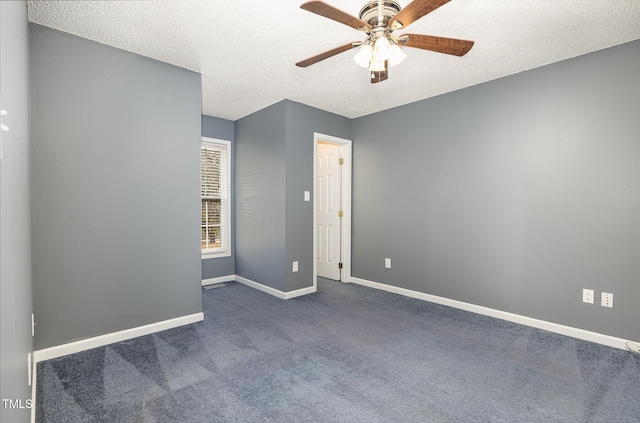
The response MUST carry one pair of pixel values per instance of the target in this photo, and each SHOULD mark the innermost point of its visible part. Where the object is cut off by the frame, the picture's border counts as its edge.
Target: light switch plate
(307, 196)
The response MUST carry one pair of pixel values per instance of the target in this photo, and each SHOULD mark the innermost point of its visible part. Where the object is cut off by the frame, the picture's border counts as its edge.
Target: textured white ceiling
(246, 50)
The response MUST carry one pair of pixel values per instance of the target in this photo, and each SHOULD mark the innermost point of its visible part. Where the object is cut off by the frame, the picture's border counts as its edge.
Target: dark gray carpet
(345, 354)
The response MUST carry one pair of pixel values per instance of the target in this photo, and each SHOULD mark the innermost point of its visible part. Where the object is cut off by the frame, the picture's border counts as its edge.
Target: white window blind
(214, 168)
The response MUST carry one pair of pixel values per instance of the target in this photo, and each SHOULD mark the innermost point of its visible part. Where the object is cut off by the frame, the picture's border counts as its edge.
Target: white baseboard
(586, 335)
(219, 279)
(275, 292)
(300, 292)
(110, 338)
(260, 287)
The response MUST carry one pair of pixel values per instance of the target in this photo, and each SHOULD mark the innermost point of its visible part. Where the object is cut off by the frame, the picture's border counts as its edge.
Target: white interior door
(328, 206)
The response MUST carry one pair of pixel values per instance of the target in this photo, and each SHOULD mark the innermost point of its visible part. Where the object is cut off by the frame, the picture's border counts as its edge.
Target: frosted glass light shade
(381, 49)
(363, 57)
(396, 55)
(376, 65)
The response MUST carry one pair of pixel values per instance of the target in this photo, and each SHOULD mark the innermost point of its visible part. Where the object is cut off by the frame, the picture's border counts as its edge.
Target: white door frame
(345, 275)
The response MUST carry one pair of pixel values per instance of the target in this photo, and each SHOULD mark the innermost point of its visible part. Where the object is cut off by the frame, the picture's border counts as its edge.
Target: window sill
(220, 254)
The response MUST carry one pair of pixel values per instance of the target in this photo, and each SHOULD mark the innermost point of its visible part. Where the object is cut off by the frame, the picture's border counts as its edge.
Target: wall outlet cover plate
(587, 296)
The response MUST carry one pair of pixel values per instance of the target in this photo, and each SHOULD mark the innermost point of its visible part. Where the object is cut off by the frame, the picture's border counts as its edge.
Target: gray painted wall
(274, 166)
(115, 188)
(260, 169)
(514, 194)
(15, 249)
(221, 129)
(301, 123)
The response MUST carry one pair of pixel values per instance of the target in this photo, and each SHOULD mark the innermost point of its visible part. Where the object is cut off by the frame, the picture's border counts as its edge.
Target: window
(215, 167)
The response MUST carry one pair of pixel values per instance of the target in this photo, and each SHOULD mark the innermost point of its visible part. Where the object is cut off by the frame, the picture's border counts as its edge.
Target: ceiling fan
(381, 49)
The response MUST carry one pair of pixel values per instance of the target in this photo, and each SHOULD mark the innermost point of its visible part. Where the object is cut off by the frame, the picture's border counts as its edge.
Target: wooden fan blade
(439, 44)
(414, 11)
(325, 55)
(323, 9)
(379, 76)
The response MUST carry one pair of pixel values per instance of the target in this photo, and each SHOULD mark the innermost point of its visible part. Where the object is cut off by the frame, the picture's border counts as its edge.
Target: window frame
(225, 207)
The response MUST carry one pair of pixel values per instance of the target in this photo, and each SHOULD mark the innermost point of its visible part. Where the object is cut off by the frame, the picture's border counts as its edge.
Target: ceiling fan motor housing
(378, 13)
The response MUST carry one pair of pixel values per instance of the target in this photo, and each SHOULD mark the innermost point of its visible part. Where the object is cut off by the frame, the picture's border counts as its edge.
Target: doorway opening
(332, 208)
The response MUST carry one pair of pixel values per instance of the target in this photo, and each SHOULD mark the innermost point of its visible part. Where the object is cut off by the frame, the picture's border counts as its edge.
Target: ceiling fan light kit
(381, 49)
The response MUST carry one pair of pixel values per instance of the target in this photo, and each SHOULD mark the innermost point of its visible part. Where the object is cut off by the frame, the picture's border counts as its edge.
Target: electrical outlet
(587, 296)
(295, 266)
(387, 263)
(607, 300)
